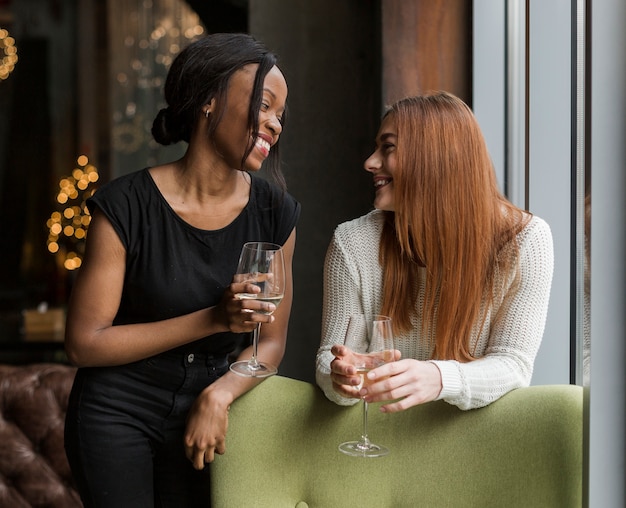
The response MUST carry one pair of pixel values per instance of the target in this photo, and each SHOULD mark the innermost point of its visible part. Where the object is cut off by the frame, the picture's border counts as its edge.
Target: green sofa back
(524, 450)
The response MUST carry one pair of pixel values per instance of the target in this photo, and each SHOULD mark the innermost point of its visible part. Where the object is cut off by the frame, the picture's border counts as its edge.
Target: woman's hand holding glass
(244, 314)
(261, 272)
(406, 383)
(241, 316)
(346, 379)
(377, 335)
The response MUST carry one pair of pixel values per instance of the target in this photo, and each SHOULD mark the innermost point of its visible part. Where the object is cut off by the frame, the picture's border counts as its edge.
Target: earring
(206, 113)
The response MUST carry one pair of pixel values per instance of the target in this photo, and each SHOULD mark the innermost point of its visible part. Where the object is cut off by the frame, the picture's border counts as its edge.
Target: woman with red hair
(464, 274)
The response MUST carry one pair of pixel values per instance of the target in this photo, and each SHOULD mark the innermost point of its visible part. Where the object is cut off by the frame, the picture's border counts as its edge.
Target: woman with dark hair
(464, 274)
(153, 317)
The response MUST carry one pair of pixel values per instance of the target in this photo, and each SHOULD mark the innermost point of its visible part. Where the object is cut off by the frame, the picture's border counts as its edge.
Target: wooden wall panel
(426, 45)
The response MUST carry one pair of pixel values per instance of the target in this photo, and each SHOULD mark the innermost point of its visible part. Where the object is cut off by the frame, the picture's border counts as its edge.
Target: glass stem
(365, 442)
(253, 363)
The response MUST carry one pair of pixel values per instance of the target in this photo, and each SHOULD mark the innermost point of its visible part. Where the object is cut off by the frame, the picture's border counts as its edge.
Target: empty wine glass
(377, 333)
(262, 264)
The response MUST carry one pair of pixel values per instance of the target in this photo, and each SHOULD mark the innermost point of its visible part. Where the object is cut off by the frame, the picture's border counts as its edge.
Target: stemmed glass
(376, 332)
(261, 263)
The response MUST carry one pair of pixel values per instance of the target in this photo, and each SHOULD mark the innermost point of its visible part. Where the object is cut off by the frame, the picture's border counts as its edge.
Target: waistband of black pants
(191, 356)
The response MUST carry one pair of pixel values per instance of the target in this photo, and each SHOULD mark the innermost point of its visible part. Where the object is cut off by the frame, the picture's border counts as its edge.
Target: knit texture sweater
(505, 346)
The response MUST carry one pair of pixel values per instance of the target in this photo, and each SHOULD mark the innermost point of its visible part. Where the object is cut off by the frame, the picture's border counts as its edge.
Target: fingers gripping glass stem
(262, 264)
(378, 334)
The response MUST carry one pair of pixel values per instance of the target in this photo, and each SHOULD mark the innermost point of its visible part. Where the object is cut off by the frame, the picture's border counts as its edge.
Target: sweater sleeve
(516, 330)
(341, 298)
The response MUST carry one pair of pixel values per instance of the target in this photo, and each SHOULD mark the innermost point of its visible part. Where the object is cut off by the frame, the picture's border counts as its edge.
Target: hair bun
(162, 129)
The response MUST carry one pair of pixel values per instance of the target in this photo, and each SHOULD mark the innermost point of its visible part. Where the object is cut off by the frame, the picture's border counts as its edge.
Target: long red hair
(449, 217)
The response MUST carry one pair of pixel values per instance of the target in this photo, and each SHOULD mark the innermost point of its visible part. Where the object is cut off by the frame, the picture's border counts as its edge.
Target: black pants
(124, 432)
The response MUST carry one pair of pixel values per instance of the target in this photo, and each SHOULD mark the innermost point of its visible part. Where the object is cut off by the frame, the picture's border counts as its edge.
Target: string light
(67, 229)
(8, 54)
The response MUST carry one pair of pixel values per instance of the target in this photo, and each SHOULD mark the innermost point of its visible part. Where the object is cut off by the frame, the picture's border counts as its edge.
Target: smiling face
(383, 163)
(232, 136)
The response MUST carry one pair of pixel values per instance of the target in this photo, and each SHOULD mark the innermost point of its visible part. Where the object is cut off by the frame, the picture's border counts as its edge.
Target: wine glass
(261, 263)
(376, 333)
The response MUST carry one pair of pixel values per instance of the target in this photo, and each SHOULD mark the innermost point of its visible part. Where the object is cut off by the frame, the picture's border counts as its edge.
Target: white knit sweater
(506, 345)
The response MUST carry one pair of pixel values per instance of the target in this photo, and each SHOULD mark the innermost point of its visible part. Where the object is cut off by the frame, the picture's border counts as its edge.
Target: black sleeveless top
(173, 268)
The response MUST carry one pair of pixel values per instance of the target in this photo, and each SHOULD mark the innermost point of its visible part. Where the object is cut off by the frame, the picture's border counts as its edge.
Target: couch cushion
(33, 467)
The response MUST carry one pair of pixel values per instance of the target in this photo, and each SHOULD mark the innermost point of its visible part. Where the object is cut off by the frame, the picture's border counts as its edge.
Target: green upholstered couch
(525, 450)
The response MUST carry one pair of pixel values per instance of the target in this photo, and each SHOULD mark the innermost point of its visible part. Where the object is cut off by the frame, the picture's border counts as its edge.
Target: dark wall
(25, 180)
(329, 52)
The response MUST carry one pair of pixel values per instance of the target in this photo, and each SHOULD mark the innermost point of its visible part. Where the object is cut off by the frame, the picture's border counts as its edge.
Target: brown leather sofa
(34, 471)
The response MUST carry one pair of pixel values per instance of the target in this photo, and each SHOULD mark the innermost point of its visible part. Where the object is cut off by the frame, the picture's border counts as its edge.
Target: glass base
(359, 449)
(247, 369)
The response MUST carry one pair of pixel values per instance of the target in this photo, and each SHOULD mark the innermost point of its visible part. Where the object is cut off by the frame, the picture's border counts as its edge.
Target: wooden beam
(426, 46)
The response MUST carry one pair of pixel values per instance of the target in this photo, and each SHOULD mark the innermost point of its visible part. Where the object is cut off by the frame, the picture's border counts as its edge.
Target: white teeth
(380, 183)
(261, 143)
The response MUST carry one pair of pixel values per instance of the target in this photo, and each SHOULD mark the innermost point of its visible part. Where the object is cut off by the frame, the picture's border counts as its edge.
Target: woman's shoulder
(364, 230)
(267, 193)
(536, 228)
(372, 221)
(124, 201)
(354, 249)
(535, 242)
(122, 185)
(277, 211)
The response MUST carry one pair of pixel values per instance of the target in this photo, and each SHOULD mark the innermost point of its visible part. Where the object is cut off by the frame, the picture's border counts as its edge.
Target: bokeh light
(67, 228)
(8, 54)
